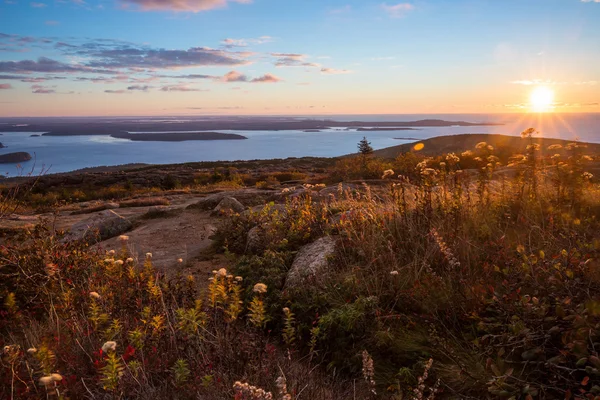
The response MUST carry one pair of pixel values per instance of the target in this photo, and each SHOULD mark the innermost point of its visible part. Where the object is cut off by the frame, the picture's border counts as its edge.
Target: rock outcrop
(310, 261)
(228, 204)
(104, 225)
(247, 197)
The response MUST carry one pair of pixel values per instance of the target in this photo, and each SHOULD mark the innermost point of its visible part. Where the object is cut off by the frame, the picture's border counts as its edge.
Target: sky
(296, 57)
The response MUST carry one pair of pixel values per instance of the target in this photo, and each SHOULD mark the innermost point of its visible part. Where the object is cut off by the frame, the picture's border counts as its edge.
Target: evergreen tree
(365, 149)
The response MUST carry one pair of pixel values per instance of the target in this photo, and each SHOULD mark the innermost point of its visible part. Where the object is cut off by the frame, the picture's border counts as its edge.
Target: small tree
(365, 150)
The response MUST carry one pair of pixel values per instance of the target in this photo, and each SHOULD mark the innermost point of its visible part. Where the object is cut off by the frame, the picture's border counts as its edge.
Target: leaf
(585, 381)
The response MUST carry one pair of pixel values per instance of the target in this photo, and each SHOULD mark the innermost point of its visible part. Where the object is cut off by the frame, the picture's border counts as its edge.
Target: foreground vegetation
(445, 282)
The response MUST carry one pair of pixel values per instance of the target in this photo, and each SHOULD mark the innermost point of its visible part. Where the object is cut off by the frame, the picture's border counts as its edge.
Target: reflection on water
(67, 153)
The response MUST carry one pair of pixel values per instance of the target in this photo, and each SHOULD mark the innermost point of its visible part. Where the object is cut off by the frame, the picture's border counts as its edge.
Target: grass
(445, 282)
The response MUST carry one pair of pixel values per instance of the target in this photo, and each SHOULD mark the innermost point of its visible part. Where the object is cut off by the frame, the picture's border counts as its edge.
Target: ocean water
(68, 153)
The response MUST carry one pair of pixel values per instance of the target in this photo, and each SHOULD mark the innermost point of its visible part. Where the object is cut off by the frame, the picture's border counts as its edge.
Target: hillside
(504, 145)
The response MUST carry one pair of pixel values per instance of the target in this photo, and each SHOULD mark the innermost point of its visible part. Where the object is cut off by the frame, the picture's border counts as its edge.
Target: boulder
(310, 261)
(335, 190)
(228, 203)
(254, 239)
(104, 225)
(247, 197)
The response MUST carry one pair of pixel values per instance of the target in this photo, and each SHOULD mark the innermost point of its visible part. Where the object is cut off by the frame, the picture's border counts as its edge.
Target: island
(176, 136)
(15, 158)
(78, 126)
(384, 129)
(2, 146)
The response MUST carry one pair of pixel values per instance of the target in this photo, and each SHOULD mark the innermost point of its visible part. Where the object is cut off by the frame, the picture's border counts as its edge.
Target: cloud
(180, 5)
(136, 57)
(292, 60)
(5, 86)
(530, 82)
(590, 1)
(52, 23)
(37, 5)
(266, 78)
(397, 10)
(232, 43)
(333, 71)
(341, 10)
(142, 88)
(39, 89)
(180, 88)
(235, 76)
(116, 91)
(44, 64)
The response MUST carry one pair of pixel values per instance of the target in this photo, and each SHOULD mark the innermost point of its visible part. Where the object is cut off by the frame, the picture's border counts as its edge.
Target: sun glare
(542, 99)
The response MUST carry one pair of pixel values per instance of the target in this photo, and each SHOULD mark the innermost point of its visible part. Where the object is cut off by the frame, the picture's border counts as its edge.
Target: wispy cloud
(4, 86)
(333, 71)
(52, 23)
(141, 88)
(292, 60)
(180, 88)
(341, 10)
(116, 91)
(180, 5)
(232, 43)
(37, 5)
(266, 78)
(39, 89)
(397, 10)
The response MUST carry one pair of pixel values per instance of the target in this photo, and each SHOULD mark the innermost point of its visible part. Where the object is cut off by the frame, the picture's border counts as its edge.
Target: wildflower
(109, 260)
(587, 175)
(112, 252)
(222, 272)
(94, 295)
(285, 190)
(129, 260)
(452, 158)
(394, 273)
(481, 145)
(587, 158)
(239, 278)
(490, 147)
(368, 370)
(123, 238)
(528, 133)
(477, 159)
(56, 377)
(148, 255)
(320, 185)
(442, 164)
(387, 172)
(554, 147)
(109, 346)
(520, 249)
(31, 351)
(45, 380)
(467, 153)
(556, 156)
(119, 262)
(533, 146)
(260, 288)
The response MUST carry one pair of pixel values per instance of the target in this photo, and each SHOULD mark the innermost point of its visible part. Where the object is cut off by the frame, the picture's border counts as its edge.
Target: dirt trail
(176, 234)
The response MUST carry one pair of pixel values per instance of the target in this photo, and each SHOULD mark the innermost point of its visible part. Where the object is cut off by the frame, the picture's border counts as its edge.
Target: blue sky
(134, 57)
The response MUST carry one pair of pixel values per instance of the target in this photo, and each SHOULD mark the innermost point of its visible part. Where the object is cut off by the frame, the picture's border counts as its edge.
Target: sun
(542, 99)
